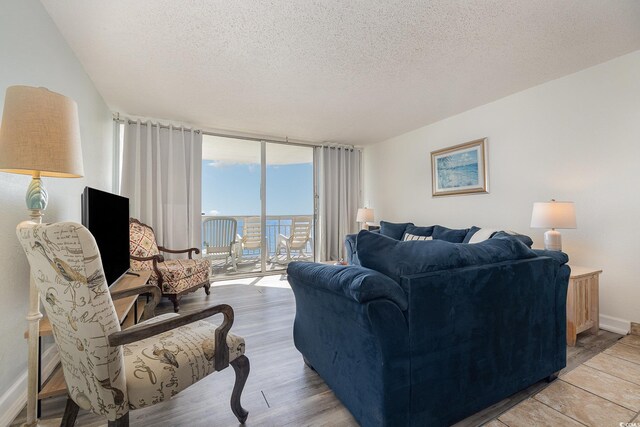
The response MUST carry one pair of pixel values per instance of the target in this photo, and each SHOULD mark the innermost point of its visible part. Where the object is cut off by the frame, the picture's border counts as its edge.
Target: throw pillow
(470, 233)
(449, 234)
(408, 237)
(396, 259)
(419, 231)
(393, 230)
(522, 237)
(482, 235)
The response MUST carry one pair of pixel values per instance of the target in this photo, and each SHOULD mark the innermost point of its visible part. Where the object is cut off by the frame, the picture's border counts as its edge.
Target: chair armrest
(146, 331)
(180, 251)
(282, 238)
(150, 306)
(156, 259)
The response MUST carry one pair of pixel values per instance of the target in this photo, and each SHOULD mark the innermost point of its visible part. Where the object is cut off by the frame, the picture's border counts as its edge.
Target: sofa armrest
(351, 255)
(354, 282)
(558, 256)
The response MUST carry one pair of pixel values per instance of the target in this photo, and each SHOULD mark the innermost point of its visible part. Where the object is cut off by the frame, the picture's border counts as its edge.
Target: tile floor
(603, 391)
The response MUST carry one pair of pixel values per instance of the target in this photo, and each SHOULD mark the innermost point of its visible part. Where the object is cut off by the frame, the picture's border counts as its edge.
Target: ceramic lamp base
(37, 196)
(552, 240)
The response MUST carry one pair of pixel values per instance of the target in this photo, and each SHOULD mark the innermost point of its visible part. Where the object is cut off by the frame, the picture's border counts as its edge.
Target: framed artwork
(461, 169)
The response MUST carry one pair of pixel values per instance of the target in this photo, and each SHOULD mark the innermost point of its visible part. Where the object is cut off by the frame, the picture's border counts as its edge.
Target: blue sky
(234, 189)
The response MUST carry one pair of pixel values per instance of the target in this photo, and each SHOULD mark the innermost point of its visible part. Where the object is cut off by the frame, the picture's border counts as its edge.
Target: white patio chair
(251, 238)
(299, 236)
(219, 241)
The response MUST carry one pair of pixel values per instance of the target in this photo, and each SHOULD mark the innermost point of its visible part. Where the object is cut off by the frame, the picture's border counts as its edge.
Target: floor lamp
(39, 136)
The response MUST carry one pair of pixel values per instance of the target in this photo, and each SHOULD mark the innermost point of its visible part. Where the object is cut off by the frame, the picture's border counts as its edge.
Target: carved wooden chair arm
(138, 333)
(150, 306)
(180, 251)
(156, 259)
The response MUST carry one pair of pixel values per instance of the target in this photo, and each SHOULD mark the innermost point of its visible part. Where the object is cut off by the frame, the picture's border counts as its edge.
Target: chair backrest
(67, 271)
(219, 234)
(252, 233)
(300, 231)
(142, 243)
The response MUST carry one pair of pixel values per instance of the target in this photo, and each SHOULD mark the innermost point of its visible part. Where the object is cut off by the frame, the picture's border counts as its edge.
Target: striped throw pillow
(408, 237)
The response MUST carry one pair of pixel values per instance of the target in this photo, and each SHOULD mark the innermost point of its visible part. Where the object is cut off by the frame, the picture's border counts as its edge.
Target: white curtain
(161, 176)
(339, 180)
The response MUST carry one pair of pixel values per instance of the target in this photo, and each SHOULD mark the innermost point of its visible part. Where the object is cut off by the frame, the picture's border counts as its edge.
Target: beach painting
(460, 169)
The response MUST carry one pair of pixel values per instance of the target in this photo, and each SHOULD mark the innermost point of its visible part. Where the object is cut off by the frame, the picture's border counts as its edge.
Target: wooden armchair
(174, 277)
(109, 371)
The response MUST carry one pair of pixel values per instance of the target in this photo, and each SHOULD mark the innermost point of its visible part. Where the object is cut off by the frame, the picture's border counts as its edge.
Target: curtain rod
(161, 126)
(246, 138)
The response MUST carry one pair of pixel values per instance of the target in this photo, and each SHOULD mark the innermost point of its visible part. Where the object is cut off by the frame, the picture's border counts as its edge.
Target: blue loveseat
(426, 333)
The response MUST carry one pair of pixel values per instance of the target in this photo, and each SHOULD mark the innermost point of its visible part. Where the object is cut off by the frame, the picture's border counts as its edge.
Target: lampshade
(364, 215)
(40, 132)
(553, 215)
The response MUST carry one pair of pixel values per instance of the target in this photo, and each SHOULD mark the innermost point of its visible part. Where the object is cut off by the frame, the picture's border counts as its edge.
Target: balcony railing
(276, 224)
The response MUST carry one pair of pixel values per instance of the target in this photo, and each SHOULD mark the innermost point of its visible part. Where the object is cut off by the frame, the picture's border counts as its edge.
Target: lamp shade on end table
(553, 215)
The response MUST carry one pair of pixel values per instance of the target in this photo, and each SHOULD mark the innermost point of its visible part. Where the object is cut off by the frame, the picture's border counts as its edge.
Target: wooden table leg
(595, 304)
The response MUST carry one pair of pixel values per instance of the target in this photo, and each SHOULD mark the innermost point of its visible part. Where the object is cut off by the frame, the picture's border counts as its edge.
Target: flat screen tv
(106, 215)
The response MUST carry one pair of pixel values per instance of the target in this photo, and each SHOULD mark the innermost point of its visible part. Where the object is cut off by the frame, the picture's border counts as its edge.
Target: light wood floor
(281, 390)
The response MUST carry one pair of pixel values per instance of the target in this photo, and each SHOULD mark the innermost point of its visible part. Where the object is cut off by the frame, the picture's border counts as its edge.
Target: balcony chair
(110, 371)
(299, 236)
(174, 277)
(219, 241)
(251, 238)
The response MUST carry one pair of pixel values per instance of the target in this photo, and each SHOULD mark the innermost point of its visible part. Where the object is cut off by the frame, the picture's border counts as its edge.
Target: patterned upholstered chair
(174, 277)
(110, 371)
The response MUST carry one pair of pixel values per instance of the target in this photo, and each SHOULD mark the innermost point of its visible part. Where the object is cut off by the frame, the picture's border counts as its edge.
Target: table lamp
(553, 215)
(39, 136)
(364, 216)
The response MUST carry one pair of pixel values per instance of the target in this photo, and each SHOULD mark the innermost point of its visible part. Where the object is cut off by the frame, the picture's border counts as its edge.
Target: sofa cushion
(522, 237)
(419, 231)
(449, 234)
(358, 283)
(393, 230)
(396, 259)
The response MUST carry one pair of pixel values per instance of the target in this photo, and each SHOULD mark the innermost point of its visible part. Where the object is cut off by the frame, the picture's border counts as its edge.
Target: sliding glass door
(265, 192)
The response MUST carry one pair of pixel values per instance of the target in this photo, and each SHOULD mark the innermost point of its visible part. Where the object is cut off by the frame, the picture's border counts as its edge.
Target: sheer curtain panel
(339, 181)
(161, 175)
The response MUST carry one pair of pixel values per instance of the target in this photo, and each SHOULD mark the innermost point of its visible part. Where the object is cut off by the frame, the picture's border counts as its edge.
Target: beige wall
(576, 138)
(32, 52)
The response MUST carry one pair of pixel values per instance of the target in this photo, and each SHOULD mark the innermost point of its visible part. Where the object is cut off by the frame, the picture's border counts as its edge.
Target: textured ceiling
(355, 72)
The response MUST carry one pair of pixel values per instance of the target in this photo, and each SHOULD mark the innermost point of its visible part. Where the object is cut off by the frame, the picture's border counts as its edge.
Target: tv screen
(106, 215)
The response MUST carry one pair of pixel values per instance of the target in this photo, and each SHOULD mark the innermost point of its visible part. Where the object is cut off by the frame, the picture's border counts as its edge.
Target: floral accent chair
(174, 277)
(110, 371)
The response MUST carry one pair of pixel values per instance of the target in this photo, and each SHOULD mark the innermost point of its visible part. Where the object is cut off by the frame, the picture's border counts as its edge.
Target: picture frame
(460, 169)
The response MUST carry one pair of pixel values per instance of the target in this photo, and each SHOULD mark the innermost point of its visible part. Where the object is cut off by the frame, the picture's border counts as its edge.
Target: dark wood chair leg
(241, 366)
(123, 421)
(207, 288)
(70, 413)
(176, 302)
(552, 377)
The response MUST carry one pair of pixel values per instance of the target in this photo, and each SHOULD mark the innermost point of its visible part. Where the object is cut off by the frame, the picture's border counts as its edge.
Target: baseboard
(15, 398)
(613, 324)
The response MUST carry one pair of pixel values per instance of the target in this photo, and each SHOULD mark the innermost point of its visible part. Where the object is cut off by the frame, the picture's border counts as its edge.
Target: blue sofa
(426, 333)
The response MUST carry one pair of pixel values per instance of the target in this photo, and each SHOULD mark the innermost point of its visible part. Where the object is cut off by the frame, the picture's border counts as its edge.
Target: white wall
(576, 138)
(32, 52)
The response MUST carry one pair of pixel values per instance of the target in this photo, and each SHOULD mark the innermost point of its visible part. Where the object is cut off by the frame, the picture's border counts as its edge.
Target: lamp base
(552, 240)
(37, 196)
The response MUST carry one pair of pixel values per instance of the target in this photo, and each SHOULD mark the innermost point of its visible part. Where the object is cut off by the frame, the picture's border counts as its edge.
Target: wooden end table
(583, 302)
